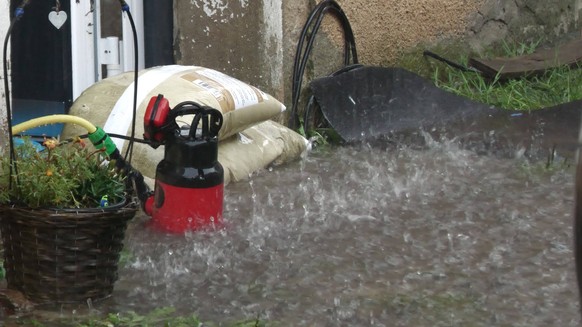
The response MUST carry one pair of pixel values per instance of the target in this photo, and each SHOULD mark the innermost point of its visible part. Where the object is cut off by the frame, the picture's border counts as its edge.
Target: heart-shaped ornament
(57, 18)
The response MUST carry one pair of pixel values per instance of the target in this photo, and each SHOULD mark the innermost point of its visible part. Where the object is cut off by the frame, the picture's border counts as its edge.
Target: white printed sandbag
(109, 103)
(248, 140)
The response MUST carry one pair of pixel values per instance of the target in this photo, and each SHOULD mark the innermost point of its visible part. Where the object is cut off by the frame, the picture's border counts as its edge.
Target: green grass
(163, 317)
(555, 86)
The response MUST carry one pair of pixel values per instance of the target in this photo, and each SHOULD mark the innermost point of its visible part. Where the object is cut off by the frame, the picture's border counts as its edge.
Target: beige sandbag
(266, 144)
(249, 141)
(109, 103)
(260, 146)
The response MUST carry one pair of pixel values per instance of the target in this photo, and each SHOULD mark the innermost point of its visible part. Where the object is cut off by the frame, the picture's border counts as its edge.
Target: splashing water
(382, 236)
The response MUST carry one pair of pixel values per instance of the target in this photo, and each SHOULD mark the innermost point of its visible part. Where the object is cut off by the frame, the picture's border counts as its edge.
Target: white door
(102, 40)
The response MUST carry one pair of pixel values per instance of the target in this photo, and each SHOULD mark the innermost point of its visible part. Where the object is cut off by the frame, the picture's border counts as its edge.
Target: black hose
(451, 63)
(112, 135)
(302, 54)
(129, 138)
(129, 150)
(211, 119)
(18, 13)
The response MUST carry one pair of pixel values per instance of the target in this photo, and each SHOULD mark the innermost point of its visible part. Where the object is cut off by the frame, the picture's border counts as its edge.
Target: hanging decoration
(57, 17)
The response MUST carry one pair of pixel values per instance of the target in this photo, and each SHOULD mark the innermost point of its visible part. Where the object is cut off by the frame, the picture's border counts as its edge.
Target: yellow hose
(54, 119)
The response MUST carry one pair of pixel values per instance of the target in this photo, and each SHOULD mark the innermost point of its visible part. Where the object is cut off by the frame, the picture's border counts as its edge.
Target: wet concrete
(370, 235)
(363, 235)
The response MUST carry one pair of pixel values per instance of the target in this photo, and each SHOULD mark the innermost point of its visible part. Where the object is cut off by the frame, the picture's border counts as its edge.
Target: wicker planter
(63, 256)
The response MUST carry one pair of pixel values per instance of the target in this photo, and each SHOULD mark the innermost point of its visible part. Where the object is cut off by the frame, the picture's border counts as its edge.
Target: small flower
(50, 143)
(79, 141)
(49, 172)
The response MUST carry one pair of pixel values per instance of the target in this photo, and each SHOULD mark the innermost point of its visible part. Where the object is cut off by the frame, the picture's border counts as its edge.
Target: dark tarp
(368, 103)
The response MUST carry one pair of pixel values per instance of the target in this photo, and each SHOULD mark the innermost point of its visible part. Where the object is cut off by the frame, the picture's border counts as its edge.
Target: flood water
(372, 236)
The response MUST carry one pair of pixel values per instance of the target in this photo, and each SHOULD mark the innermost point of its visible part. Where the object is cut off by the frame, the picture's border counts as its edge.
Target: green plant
(513, 49)
(164, 317)
(158, 317)
(58, 175)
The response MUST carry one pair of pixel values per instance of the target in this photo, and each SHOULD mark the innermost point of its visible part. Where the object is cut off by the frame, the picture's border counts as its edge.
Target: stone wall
(522, 20)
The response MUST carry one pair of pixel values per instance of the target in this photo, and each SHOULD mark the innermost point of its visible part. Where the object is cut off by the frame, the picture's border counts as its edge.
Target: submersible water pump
(189, 184)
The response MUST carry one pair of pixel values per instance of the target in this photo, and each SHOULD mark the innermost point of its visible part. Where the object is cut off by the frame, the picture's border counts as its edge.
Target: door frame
(85, 40)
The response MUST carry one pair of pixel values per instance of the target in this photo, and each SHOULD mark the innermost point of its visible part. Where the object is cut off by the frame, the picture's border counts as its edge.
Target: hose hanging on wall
(129, 150)
(18, 13)
(308, 33)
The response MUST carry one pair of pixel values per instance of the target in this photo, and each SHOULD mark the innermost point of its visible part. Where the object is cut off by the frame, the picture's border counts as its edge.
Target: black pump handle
(211, 118)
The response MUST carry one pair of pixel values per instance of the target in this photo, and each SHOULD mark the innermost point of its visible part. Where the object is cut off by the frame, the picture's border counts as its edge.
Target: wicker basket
(63, 256)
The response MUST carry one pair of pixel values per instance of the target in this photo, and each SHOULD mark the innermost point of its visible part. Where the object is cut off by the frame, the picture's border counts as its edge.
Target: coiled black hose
(308, 33)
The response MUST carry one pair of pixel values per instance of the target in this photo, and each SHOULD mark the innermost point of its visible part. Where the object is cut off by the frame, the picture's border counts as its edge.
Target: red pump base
(178, 210)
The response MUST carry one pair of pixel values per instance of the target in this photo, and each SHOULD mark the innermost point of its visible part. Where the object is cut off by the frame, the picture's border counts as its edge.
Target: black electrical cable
(129, 138)
(129, 150)
(303, 53)
(310, 31)
(124, 163)
(112, 135)
(451, 63)
(18, 13)
(210, 127)
(319, 12)
(310, 28)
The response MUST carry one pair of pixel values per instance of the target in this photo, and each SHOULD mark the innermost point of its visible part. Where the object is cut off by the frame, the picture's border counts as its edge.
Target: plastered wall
(386, 28)
(236, 37)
